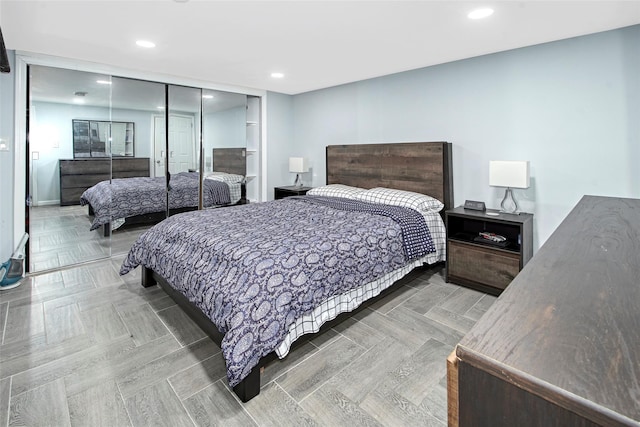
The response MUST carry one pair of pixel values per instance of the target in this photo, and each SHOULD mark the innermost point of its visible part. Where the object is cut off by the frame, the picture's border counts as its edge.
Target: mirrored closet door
(68, 151)
(224, 140)
(133, 182)
(84, 129)
(112, 156)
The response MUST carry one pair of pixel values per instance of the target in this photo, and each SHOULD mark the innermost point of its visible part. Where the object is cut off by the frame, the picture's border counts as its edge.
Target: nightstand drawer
(472, 262)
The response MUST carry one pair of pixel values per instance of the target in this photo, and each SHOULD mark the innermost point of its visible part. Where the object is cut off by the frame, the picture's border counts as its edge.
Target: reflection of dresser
(79, 174)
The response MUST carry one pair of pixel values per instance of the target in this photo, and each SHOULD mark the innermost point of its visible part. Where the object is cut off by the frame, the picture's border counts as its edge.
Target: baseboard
(47, 203)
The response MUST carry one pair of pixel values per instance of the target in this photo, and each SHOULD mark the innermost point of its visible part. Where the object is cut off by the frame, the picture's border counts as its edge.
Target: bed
(258, 290)
(143, 200)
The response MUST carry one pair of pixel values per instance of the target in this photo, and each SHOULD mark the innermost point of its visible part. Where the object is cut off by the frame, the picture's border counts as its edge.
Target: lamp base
(298, 181)
(509, 204)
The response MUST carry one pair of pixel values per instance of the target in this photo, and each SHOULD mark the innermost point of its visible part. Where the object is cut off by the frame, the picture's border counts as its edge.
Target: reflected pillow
(336, 190)
(224, 177)
(408, 199)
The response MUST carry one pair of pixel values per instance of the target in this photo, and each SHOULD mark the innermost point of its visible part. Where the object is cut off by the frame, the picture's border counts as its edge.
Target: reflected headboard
(423, 167)
(230, 160)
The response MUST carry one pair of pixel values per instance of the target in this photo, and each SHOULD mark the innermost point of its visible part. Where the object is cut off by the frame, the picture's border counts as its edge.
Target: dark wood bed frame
(423, 167)
(229, 160)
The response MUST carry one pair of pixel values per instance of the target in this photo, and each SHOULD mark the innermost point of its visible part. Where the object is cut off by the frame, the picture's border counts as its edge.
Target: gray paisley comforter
(254, 269)
(126, 197)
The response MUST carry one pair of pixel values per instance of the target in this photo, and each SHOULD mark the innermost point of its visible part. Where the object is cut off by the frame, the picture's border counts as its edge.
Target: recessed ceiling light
(480, 13)
(277, 75)
(103, 82)
(160, 107)
(207, 96)
(78, 100)
(145, 43)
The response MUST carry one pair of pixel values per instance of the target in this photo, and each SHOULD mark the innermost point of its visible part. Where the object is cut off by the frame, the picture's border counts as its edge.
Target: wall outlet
(4, 145)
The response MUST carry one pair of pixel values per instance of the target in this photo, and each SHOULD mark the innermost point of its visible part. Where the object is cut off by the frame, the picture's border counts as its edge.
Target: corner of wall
(279, 139)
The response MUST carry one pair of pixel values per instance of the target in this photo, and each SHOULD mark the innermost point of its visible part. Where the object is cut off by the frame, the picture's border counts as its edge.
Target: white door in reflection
(181, 144)
(181, 153)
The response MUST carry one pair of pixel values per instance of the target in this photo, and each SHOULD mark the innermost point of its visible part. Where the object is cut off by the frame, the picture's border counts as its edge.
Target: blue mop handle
(19, 252)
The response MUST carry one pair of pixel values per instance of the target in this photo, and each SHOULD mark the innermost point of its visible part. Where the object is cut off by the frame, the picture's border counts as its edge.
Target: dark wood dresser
(79, 174)
(561, 346)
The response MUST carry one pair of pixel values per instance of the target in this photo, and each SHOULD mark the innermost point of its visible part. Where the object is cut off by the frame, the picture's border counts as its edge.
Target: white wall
(571, 107)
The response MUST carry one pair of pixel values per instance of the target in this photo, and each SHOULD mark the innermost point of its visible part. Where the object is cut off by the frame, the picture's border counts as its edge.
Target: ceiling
(316, 44)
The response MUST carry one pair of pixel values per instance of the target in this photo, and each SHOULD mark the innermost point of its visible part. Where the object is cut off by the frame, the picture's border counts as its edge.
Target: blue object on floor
(12, 270)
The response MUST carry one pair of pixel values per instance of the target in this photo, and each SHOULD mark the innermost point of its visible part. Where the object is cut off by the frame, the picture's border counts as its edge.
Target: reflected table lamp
(298, 165)
(509, 174)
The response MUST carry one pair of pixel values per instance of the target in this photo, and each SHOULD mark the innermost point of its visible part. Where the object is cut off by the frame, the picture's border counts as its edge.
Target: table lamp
(509, 174)
(298, 165)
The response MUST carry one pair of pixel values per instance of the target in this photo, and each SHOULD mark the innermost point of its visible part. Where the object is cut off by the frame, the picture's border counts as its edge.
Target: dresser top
(569, 324)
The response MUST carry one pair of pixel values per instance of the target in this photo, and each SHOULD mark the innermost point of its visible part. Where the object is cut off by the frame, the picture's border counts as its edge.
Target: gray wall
(281, 144)
(571, 107)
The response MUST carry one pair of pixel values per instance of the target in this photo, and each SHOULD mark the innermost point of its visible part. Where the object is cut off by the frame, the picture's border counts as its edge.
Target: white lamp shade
(513, 174)
(298, 165)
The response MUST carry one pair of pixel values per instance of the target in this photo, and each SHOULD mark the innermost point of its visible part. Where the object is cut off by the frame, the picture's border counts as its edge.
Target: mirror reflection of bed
(136, 201)
(58, 225)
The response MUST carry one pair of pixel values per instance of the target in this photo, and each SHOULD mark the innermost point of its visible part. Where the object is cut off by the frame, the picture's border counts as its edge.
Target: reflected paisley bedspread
(126, 197)
(254, 269)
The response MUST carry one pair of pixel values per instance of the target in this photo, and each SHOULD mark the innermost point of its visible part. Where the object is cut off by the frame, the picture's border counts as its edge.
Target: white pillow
(224, 177)
(336, 190)
(407, 199)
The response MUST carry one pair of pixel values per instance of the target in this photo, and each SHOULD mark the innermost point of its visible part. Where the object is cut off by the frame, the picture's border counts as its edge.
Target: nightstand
(288, 191)
(479, 264)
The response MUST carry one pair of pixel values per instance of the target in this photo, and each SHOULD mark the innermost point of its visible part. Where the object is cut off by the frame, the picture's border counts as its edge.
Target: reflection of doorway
(181, 144)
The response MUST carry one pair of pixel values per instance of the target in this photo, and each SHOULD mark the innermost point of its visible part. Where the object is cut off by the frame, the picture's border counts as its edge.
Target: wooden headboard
(423, 167)
(230, 160)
